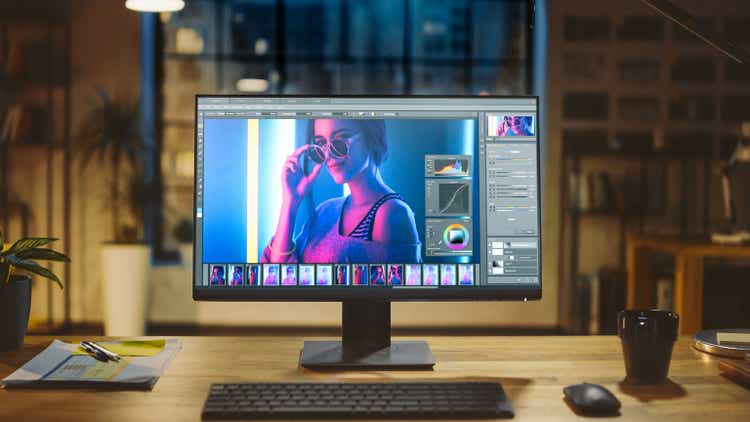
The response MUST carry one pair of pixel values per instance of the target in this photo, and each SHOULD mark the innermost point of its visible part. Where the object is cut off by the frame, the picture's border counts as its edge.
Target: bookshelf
(654, 109)
(35, 136)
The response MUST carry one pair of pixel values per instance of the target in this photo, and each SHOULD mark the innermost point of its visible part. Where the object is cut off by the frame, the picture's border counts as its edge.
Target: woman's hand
(294, 182)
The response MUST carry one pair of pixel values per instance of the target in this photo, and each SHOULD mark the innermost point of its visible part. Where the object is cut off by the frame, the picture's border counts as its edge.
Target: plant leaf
(35, 268)
(4, 270)
(42, 254)
(2, 240)
(30, 242)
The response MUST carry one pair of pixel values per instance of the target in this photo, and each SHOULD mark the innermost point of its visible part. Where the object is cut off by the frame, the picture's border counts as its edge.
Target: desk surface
(533, 371)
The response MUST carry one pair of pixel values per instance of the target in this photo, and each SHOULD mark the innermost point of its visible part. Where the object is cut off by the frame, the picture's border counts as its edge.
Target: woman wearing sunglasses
(373, 224)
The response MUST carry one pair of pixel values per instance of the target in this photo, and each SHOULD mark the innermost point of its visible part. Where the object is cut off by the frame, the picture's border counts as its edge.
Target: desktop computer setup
(367, 200)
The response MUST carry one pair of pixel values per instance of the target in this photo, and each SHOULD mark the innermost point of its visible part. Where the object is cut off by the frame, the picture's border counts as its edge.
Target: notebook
(67, 365)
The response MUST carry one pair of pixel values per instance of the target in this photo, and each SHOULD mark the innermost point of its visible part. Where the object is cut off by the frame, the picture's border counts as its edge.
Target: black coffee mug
(647, 338)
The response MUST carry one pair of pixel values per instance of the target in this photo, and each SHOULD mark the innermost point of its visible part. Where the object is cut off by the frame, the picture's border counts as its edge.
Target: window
(329, 47)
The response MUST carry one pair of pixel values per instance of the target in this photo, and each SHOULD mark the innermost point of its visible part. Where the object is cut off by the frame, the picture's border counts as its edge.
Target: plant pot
(186, 254)
(125, 270)
(15, 304)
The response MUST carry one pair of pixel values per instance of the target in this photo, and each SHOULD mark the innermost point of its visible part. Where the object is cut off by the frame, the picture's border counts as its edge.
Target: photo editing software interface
(366, 192)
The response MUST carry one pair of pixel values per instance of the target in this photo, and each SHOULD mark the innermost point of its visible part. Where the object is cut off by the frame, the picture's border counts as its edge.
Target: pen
(98, 355)
(109, 354)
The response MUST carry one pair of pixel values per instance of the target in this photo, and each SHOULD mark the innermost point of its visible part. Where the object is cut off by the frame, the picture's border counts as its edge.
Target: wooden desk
(533, 371)
(688, 274)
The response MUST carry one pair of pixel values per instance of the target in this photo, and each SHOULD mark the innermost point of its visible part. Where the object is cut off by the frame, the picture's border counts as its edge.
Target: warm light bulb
(252, 85)
(155, 5)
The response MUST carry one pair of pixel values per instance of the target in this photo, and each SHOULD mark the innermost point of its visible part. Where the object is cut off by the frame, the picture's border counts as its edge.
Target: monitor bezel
(347, 293)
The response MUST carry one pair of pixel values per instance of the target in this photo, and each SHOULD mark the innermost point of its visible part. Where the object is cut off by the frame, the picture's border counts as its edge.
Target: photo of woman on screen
(515, 126)
(372, 224)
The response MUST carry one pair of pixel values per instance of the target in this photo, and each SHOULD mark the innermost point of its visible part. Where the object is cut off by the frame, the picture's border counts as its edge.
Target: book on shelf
(23, 124)
(592, 191)
(601, 295)
(665, 293)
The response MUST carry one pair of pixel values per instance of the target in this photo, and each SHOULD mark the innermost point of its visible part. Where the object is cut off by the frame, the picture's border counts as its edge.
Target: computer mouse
(592, 399)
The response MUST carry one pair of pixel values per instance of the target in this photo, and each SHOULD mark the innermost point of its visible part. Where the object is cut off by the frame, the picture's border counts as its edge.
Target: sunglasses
(337, 147)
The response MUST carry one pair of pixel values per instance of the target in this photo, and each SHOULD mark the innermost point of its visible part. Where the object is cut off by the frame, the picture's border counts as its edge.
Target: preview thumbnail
(217, 277)
(511, 125)
(290, 275)
(237, 277)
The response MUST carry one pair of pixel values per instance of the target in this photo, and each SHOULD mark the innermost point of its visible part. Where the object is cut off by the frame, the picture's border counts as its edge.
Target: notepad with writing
(66, 365)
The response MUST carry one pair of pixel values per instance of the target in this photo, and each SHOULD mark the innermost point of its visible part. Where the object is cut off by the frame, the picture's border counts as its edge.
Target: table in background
(688, 275)
(532, 370)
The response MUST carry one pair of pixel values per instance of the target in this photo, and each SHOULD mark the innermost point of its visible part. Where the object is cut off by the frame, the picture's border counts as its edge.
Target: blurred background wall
(628, 99)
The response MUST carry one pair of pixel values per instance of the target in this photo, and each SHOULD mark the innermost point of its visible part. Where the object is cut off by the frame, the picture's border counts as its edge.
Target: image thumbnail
(253, 275)
(447, 275)
(511, 125)
(290, 275)
(341, 275)
(271, 274)
(324, 275)
(306, 275)
(359, 275)
(377, 275)
(413, 274)
(465, 274)
(396, 275)
(217, 277)
(237, 277)
(430, 275)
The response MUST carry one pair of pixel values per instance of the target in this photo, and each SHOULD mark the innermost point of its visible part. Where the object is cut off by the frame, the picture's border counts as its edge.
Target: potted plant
(111, 135)
(15, 287)
(183, 233)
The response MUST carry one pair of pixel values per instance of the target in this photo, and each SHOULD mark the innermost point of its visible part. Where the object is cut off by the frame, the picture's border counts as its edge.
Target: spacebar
(308, 410)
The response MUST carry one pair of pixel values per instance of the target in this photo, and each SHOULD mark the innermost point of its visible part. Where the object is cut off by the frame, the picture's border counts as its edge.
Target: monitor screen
(327, 198)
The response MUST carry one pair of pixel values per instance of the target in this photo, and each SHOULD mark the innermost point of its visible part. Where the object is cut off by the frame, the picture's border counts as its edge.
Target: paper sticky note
(129, 347)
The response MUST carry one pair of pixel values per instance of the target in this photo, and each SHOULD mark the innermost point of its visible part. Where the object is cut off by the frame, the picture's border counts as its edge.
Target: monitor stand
(366, 343)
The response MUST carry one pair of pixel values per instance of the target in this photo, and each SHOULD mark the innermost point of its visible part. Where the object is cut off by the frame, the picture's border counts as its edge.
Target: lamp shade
(155, 5)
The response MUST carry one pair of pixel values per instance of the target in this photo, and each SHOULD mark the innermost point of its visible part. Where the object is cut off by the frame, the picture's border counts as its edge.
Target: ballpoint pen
(96, 354)
(109, 354)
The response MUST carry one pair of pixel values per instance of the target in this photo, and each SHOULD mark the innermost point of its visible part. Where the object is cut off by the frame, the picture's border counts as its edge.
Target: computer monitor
(366, 200)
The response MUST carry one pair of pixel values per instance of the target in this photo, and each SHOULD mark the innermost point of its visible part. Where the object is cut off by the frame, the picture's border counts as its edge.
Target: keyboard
(402, 400)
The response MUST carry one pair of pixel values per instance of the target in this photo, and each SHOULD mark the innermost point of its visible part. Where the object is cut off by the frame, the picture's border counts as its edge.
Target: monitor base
(366, 343)
(400, 355)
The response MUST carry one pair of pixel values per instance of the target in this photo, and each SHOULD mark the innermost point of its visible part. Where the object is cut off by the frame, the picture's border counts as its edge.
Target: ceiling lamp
(155, 5)
(252, 85)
